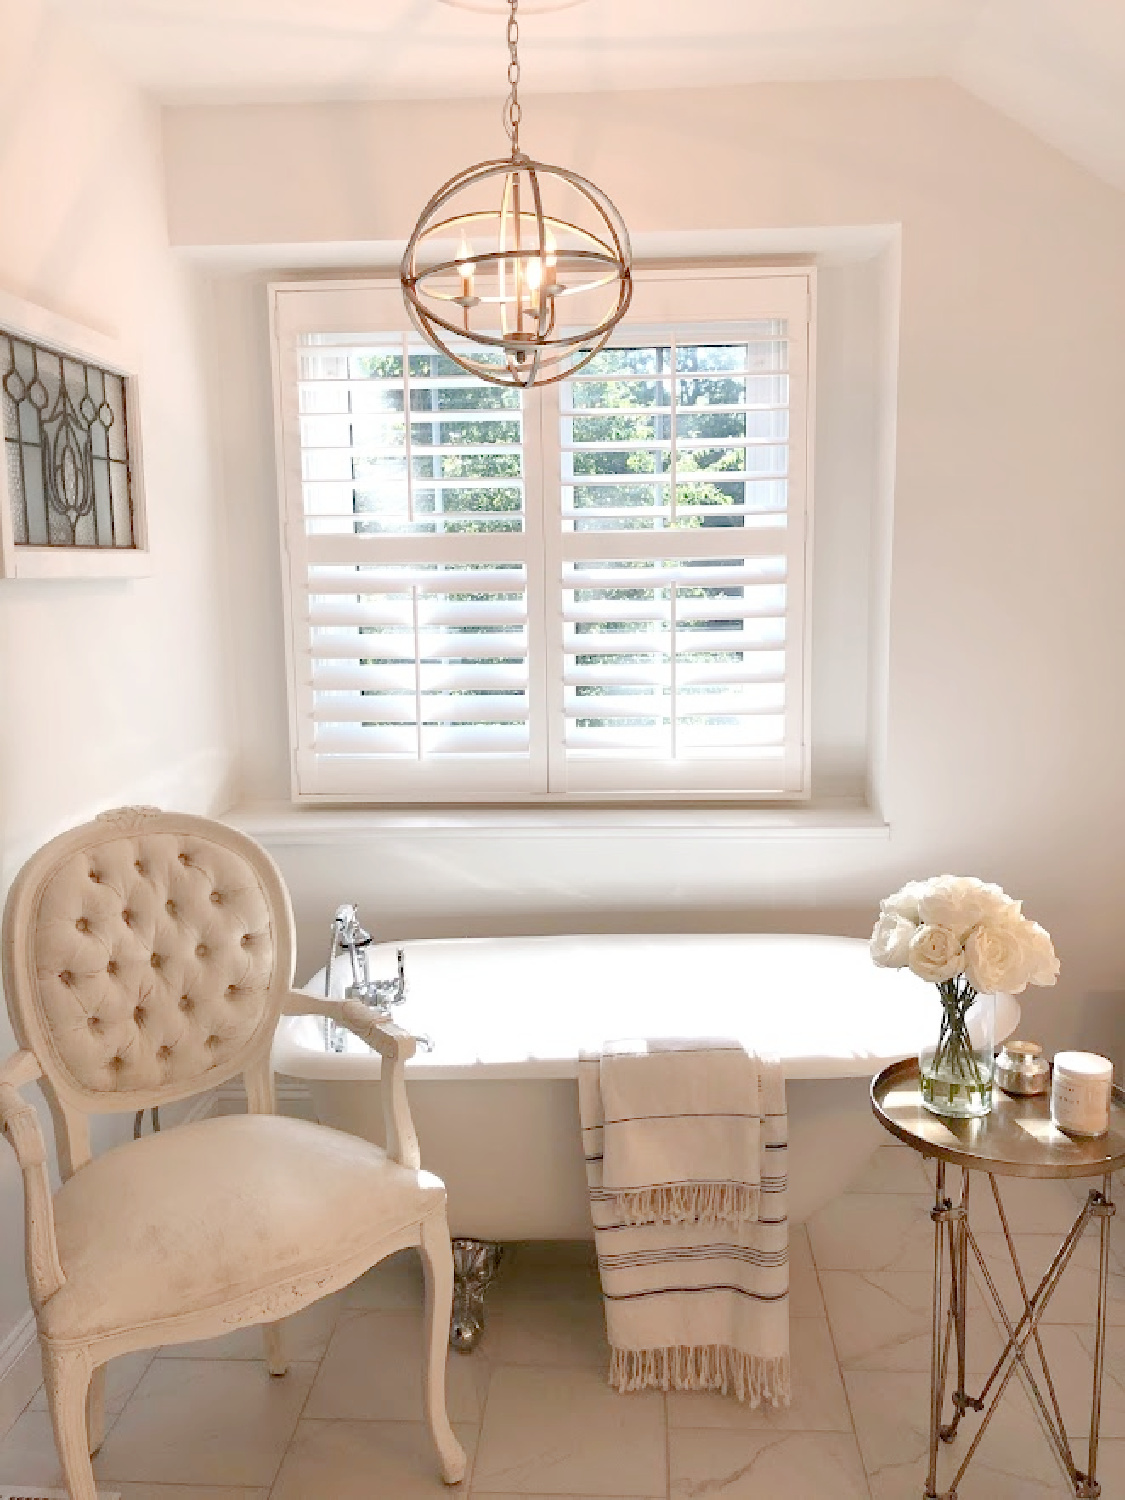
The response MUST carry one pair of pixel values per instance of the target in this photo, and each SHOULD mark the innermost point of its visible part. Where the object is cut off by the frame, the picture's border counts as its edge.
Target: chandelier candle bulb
(467, 298)
(1081, 1090)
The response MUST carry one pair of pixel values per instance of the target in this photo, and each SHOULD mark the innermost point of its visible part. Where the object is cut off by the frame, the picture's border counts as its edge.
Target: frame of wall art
(71, 478)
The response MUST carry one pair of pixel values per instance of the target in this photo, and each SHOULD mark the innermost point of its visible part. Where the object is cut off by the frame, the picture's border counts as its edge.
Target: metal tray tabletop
(1017, 1139)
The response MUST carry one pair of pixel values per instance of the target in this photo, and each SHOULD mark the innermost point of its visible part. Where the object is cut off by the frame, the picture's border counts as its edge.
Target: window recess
(595, 589)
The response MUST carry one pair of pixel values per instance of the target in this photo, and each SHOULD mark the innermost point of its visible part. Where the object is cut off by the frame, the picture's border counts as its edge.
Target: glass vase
(956, 1068)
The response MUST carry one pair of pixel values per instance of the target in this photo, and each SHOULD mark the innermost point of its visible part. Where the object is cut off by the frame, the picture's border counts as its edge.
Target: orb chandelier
(517, 270)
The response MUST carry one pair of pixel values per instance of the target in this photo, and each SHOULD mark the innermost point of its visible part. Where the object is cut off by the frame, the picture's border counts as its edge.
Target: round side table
(1017, 1139)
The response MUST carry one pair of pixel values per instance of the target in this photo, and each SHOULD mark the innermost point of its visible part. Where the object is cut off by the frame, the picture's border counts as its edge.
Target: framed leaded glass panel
(71, 501)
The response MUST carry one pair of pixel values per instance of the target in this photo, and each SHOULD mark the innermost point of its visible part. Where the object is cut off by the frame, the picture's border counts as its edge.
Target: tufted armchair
(147, 957)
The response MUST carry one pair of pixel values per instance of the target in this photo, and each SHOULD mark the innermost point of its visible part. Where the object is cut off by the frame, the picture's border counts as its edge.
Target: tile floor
(205, 1422)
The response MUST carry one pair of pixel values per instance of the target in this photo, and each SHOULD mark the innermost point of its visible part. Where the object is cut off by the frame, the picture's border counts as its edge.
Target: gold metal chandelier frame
(540, 348)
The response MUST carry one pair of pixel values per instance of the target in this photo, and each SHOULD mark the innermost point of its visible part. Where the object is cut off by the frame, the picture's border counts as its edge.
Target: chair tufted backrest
(146, 955)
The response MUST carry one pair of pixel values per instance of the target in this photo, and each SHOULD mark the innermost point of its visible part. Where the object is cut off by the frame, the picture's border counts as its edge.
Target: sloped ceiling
(1056, 66)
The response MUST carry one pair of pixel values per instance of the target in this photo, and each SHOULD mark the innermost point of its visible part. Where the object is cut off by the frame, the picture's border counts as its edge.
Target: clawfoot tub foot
(475, 1263)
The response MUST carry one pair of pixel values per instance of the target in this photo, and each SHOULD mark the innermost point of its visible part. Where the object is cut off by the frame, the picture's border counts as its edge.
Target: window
(592, 590)
(70, 494)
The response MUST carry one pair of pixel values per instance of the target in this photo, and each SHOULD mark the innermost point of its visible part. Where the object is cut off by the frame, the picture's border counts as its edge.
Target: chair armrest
(394, 1046)
(20, 1123)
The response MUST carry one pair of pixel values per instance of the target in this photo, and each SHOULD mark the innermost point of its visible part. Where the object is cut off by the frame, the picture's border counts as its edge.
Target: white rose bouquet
(968, 938)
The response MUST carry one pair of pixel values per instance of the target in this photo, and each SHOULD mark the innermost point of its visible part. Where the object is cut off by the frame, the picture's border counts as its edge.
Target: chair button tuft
(139, 1015)
(127, 917)
(111, 967)
(95, 877)
(82, 925)
(164, 1052)
(67, 977)
(138, 865)
(155, 960)
(94, 1023)
(201, 951)
(217, 897)
(187, 1004)
(170, 908)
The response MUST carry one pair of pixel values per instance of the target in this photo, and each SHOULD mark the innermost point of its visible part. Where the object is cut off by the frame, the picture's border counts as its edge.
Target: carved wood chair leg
(274, 1336)
(437, 1264)
(66, 1374)
(95, 1410)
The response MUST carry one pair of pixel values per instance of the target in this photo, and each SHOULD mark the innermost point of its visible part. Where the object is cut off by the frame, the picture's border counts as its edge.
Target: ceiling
(1056, 66)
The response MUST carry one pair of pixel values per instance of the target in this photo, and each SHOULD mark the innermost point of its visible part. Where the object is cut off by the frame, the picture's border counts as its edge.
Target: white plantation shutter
(407, 550)
(595, 589)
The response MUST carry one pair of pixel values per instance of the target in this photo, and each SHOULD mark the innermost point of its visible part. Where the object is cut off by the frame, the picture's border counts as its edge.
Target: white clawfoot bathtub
(496, 1102)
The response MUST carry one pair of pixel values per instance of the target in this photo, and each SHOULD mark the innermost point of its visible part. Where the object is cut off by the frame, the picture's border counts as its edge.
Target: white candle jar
(1081, 1088)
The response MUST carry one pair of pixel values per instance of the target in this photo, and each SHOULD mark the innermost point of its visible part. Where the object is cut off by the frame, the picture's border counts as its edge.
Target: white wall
(1005, 612)
(110, 692)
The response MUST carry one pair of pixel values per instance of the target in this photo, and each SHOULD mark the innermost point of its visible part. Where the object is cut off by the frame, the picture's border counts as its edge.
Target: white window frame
(699, 299)
(17, 560)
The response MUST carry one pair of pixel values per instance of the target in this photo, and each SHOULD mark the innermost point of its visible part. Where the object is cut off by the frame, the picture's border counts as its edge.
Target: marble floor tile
(882, 1320)
(763, 1466)
(206, 1421)
(1074, 1299)
(1032, 1205)
(891, 1413)
(565, 1432)
(373, 1372)
(805, 1300)
(543, 1269)
(1070, 1354)
(551, 1332)
(818, 1404)
(395, 1284)
(893, 1169)
(873, 1232)
(122, 1378)
(27, 1452)
(367, 1461)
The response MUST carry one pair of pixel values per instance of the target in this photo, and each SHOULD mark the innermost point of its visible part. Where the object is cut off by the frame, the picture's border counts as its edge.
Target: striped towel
(692, 1302)
(681, 1141)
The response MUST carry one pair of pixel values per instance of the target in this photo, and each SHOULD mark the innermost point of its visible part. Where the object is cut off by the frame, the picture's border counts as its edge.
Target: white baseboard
(293, 1097)
(21, 1372)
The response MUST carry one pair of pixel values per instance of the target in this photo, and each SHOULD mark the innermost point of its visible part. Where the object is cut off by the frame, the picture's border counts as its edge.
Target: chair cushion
(200, 1215)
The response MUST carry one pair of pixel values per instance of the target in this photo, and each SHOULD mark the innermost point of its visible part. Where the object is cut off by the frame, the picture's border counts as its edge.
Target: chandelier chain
(513, 111)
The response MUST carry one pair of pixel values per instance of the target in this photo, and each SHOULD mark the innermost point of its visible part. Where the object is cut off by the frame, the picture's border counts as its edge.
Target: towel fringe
(694, 1203)
(703, 1367)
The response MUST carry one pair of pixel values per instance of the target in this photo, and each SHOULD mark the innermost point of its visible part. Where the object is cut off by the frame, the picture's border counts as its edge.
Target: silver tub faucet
(349, 935)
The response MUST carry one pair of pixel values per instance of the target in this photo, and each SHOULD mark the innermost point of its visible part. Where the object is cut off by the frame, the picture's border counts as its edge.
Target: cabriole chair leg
(437, 1264)
(66, 1374)
(95, 1411)
(274, 1337)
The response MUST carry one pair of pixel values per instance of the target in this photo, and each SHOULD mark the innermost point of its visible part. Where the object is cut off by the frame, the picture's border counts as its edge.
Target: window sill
(282, 824)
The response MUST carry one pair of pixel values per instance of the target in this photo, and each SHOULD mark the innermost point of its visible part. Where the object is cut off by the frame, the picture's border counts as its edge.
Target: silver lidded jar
(1021, 1068)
